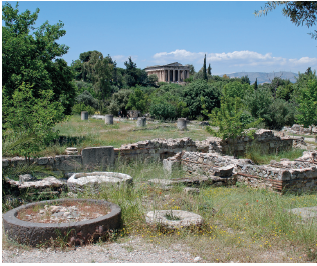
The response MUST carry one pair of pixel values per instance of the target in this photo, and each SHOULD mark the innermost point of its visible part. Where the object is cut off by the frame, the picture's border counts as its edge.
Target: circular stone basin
(173, 219)
(78, 181)
(35, 233)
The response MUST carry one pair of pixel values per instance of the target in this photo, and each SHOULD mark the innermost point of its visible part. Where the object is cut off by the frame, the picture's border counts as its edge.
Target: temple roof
(169, 65)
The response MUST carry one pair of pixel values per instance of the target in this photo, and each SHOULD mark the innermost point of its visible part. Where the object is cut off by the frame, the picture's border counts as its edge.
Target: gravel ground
(135, 250)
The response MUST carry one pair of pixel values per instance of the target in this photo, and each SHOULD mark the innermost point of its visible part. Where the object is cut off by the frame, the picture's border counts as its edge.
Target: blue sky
(152, 33)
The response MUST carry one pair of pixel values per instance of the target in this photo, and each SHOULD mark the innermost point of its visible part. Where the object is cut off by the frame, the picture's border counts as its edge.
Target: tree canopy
(300, 12)
(30, 57)
(37, 88)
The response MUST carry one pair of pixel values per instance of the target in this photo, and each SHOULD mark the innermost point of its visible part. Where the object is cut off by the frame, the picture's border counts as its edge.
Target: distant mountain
(264, 77)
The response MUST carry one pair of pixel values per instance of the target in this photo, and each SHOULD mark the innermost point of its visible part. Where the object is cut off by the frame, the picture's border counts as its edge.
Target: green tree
(29, 59)
(307, 103)
(137, 101)
(209, 70)
(118, 102)
(300, 12)
(191, 69)
(255, 85)
(98, 70)
(230, 118)
(245, 80)
(28, 115)
(205, 70)
(195, 91)
(167, 102)
(236, 89)
(152, 80)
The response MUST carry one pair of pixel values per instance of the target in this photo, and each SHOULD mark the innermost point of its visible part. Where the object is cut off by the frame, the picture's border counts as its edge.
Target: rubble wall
(298, 176)
(264, 138)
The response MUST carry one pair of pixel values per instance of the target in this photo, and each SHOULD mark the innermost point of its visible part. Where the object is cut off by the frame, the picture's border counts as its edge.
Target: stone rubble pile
(33, 185)
(298, 175)
(298, 129)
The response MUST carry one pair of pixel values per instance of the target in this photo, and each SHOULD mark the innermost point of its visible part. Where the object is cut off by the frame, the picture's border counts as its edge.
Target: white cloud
(237, 61)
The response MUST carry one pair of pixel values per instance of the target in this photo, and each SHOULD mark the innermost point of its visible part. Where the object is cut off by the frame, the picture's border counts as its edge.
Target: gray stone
(182, 124)
(84, 115)
(141, 122)
(306, 213)
(78, 182)
(48, 182)
(98, 157)
(224, 171)
(34, 234)
(170, 165)
(71, 151)
(5, 162)
(67, 162)
(109, 119)
(26, 178)
(183, 218)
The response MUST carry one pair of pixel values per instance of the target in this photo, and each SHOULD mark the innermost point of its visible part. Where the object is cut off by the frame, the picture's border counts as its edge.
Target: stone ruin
(205, 159)
(298, 129)
(298, 176)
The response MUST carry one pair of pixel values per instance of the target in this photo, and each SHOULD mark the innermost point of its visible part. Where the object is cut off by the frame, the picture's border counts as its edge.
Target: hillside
(264, 77)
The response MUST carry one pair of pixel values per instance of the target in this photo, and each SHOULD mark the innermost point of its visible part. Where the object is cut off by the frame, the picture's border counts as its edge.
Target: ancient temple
(174, 72)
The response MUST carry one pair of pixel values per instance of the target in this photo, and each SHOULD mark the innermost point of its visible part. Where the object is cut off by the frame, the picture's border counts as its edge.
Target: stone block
(42, 160)
(224, 171)
(5, 163)
(170, 165)
(98, 156)
(26, 178)
(68, 162)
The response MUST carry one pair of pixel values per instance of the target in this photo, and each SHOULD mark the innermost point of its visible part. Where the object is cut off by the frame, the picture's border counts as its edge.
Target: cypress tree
(209, 70)
(256, 84)
(205, 69)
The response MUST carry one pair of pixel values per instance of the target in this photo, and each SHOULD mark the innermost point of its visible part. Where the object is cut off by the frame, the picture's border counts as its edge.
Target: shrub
(79, 107)
(87, 99)
(196, 91)
(163, 111)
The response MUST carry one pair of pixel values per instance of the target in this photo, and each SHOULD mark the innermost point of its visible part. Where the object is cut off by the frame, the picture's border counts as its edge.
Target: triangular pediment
(174, 64)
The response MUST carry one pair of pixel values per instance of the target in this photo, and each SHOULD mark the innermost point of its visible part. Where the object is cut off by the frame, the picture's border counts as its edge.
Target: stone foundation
(299, 175)
(198, 157)
(266, 139)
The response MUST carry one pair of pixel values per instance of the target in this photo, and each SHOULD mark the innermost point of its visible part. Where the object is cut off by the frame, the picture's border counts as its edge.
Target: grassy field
(241, 224)
(94, 132)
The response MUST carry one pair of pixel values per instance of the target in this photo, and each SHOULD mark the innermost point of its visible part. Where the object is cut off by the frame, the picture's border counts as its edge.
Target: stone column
(84, 115)
(173, 74)
(168, 75)
(109, 119)
(179, 76)
(141, 122)
(182, 124)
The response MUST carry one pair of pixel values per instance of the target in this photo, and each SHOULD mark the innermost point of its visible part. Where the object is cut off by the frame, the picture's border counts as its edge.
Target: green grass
(259, 156)
(94, 132)
(241, 221)
(247, 221)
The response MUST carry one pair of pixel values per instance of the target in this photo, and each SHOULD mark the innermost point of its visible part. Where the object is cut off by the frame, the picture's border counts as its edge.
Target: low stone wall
(299, 175)
(299, 129)
(266, 139)
(157, 149)
(90, 159)
(93, 158)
